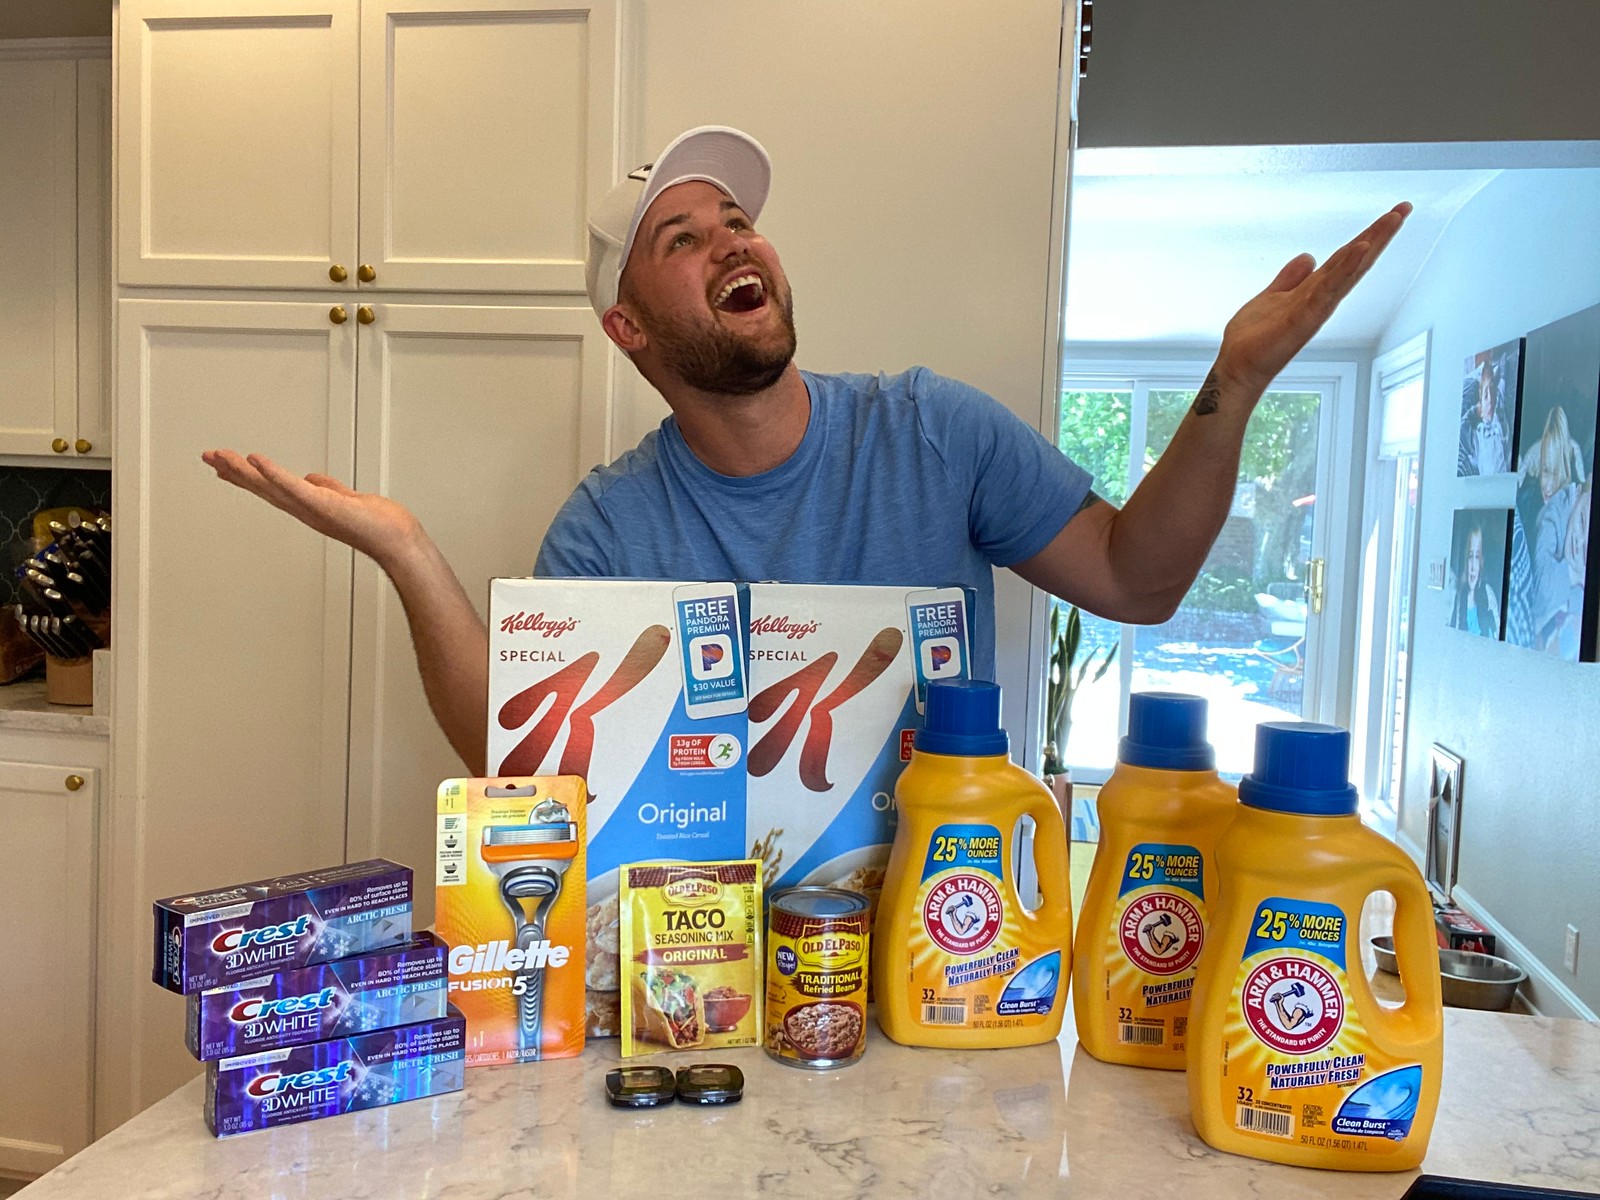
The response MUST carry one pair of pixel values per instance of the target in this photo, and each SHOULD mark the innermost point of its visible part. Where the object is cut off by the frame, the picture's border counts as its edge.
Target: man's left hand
(1265, 335)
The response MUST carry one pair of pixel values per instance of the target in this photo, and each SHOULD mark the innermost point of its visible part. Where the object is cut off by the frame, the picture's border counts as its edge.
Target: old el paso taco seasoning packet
(690, 950)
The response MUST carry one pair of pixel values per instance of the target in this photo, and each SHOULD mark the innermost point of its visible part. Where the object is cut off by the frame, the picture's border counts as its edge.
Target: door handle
(1316, 583)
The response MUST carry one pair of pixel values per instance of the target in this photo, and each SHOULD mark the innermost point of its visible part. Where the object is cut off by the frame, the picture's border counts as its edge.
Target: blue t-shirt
(912, 480)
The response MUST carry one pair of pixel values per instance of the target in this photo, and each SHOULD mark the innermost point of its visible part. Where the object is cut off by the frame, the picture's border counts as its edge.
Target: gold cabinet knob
(59, 445)
(337, 314)
(337, 273)
(365, 273)
(82, 446)
(74, 782)
(365, 315)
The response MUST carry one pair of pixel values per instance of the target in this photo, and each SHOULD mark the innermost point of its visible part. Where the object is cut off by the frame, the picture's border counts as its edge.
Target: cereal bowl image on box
(511, 905)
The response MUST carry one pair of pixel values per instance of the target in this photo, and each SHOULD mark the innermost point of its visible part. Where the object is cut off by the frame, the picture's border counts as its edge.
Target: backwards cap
(725, 158)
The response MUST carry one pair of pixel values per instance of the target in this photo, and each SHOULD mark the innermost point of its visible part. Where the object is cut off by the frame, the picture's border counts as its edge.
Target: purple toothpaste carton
(340, 1075)
(353, 995)
(225, 937)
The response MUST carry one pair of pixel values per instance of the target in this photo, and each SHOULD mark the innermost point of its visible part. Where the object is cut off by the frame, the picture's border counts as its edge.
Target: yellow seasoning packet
(689, 941)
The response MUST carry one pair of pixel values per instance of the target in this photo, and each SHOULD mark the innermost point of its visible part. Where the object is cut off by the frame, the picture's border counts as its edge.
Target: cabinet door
(38, 255)
(232, 635)
(94, 259)
(47, 940)
(481, 420)
(236, 142)
(486, 127)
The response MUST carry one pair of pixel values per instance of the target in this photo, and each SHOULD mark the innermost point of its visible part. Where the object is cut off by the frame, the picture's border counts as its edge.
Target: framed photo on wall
(1551, 591)
(1445, 772)
(1478, 569)
(1491, 390)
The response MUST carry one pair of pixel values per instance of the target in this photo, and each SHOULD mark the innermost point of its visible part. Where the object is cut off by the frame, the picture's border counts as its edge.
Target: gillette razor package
(510, 904)
(639, 688)
(352, 995)
(231, 935)
(339, 1075)
(837, 677)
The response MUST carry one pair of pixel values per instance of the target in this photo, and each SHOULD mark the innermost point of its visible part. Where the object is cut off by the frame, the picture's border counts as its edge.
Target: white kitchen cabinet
(480, 420)
(92, 437)
(268, 711)
(38, 253)
(47, 940)
(484, 128)
(236, 142)
(55, 289)
(231, 639)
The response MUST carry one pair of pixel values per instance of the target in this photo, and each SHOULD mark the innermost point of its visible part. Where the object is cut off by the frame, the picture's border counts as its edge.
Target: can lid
(1301, 767)
(963, 719)
(1167, 731)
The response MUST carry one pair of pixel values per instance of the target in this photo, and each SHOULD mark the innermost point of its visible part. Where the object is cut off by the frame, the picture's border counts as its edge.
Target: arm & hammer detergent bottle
(1291, 1057)
(958, 961)
(1144, 913)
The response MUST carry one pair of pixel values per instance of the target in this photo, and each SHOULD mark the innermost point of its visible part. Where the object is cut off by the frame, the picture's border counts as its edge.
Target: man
(764, 471)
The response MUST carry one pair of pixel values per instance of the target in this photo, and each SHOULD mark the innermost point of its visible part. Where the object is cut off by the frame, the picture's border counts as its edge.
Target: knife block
(69, 682)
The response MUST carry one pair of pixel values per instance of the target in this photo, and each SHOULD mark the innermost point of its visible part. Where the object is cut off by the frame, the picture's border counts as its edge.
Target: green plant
(1229, 592)
(1070, 668)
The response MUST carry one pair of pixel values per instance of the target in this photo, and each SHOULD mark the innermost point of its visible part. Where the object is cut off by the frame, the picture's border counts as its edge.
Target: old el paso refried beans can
(817, 977)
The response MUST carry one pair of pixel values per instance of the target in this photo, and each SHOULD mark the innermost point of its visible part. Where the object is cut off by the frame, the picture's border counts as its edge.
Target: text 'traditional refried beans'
(817, 977)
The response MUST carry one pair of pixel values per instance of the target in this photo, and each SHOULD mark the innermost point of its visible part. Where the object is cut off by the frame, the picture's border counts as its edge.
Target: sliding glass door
(1251, 636)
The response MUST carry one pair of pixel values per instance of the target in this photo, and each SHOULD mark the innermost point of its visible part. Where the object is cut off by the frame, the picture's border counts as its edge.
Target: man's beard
(710, 358)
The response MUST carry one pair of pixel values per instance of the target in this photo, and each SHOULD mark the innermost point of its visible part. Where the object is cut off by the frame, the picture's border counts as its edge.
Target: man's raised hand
(1265, 335)
(375, 525)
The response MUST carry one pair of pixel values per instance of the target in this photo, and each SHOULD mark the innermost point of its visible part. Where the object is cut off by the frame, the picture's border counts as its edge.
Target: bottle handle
(1416, 949)
(1051, 854)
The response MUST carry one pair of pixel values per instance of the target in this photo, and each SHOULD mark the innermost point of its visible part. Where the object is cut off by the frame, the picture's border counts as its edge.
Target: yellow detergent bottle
(1291, 1056)
(1144, 914)
(958, 960)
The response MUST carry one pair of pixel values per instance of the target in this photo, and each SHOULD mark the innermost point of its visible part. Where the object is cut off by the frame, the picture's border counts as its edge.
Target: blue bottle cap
(963, 718)
(1301, 767)
(1167, 731)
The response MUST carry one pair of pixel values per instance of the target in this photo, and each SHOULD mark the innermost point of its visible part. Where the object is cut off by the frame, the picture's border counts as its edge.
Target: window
(1388, 579)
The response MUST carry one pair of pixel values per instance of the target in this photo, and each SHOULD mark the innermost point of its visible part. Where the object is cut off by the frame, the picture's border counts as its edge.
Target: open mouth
(741, 294)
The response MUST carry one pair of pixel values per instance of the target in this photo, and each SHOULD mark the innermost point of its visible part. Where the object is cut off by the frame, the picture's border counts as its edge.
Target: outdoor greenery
(1223, 592)
(1279, 461)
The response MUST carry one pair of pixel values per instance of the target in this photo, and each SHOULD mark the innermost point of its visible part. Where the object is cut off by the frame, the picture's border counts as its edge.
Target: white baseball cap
(725, 158)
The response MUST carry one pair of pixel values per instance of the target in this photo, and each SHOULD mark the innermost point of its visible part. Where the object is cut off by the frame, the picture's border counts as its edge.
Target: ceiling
(1166, 245)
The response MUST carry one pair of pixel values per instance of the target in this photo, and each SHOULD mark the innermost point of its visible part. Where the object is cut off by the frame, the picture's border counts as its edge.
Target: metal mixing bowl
(1478, 980)
(1468, 980)
(1383, 948)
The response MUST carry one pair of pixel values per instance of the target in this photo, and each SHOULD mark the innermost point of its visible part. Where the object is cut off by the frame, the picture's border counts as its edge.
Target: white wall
(912, 187)
(1525, 251)
(1298, 72)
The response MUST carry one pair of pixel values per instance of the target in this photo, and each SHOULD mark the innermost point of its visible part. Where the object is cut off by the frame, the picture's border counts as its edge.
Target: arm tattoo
(1089, 501)
(1206, 402)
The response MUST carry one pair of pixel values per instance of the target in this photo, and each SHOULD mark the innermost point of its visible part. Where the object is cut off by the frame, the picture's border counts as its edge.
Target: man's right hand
(375, 525)
(449, 637)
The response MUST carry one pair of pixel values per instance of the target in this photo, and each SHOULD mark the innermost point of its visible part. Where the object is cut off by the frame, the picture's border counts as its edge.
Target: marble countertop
(23, 706)
(1521, 1103)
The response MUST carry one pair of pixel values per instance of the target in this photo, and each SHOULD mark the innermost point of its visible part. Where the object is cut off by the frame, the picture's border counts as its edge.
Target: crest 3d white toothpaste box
(339, 1075)
(639, 688)
(402, 986)
(836, 673)
(230, 935)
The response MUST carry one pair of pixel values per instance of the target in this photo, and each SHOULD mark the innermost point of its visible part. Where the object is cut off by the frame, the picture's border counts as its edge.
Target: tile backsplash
(26, 490)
